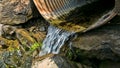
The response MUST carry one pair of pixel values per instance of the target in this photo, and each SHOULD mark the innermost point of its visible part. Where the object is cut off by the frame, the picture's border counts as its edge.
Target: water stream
(54, 40)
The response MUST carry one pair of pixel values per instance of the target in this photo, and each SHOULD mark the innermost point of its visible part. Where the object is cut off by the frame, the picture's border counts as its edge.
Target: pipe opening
(86, 15)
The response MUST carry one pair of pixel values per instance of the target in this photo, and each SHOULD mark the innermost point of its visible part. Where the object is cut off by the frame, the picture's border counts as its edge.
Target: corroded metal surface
(78, 15)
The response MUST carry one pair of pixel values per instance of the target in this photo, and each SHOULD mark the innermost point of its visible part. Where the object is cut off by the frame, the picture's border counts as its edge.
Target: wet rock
(15, 11)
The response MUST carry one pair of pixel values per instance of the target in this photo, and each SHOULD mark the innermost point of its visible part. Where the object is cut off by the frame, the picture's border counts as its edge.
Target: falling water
(54, 40)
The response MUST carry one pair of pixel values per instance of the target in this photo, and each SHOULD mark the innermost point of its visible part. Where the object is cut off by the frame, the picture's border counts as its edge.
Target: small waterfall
(54, 40)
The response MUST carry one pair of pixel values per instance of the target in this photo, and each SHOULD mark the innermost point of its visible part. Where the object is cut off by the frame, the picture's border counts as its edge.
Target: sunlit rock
(52, 61)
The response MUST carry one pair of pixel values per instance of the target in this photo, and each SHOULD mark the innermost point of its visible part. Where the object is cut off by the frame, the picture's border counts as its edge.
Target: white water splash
(54, 40)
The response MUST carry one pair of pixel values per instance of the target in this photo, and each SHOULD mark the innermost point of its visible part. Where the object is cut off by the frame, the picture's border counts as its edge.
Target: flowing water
(54, 40)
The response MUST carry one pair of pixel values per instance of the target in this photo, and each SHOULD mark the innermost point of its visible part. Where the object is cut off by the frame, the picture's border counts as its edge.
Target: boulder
(102, 43)
(15, 11)
(55, 61)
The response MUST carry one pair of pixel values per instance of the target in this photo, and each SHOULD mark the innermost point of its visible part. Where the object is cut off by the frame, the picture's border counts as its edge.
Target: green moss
(35, 46)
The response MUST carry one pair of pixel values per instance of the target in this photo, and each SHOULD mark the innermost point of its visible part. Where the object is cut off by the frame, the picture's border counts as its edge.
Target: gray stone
(15, 11)
(102, 43)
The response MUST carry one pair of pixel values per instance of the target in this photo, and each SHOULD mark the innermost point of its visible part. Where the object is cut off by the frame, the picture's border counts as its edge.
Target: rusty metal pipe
(78, 15)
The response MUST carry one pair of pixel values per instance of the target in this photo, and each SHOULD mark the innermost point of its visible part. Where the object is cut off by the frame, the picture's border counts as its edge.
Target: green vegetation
(35, 46)
(18, 56)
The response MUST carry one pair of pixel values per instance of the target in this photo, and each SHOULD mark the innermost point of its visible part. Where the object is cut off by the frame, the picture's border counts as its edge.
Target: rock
(13, 59)
(15, 11)
(54, 61)
(9, 45)
(39, 36)
(24, 37)
(102, 43)
(109, 64)
(1, 30)
(27, 34)
(19, 44)
(8, 31)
